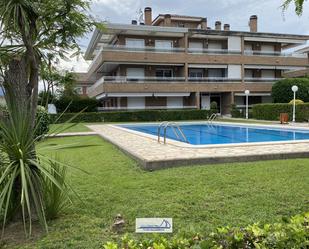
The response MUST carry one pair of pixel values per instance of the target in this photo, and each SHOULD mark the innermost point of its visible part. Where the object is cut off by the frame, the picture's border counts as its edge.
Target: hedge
(272, 111)
(290, 233)
(282, 93)
(134, 116)
(76, 104)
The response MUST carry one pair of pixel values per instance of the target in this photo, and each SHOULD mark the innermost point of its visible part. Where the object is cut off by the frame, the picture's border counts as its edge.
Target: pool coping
(152, 155)
(183, 144)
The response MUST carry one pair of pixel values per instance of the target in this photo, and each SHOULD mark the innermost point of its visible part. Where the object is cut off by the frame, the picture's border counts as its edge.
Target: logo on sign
(154, 225)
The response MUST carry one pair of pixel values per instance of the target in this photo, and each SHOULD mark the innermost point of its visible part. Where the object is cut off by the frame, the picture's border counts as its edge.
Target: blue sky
(234, 12)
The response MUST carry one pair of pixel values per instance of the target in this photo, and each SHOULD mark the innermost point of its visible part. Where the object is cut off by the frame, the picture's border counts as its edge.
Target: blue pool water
(203, 134)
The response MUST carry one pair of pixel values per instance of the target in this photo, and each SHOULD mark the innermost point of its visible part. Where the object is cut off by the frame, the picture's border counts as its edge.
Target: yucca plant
(24, 173)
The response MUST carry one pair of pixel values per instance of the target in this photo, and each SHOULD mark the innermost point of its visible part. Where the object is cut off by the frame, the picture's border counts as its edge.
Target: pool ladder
(175, 128)
(212, 118)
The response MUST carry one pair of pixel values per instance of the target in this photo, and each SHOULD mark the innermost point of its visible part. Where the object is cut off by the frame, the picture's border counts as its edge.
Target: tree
(298, 5)
(282, 90)
(31, 31)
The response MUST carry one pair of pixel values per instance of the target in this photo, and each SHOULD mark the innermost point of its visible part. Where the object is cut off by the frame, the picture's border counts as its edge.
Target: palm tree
(298, 5)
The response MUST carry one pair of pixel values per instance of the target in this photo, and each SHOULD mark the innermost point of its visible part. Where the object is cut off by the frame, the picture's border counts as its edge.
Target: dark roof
(252, 34)
(198, 18)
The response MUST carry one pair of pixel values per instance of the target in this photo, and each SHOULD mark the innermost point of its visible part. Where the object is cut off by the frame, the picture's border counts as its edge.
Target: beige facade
(178, 61)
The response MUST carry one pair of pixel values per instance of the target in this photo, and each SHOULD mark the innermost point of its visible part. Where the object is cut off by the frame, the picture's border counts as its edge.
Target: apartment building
(175, 61)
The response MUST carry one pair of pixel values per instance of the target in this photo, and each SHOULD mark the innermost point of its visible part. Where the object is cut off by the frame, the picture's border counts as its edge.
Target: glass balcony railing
(273, 53)
(132, 79)
(212, 51)
(212, 79)
(262, 80)
(142, 49)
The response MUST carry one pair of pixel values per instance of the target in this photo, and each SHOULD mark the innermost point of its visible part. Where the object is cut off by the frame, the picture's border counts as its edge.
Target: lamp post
(294, 89)
(247, 92)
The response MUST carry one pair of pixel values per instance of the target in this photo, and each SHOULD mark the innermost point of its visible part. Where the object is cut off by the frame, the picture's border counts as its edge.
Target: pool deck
(152, 155)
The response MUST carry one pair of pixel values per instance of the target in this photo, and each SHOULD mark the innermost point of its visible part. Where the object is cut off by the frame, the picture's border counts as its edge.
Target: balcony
(142, 49)
(261, 80)
(213, 51)
(213, 80)
(273, 53)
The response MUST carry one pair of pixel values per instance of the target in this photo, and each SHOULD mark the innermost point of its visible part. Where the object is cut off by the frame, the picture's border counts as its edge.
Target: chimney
(253, 23)
(226, 27)
(218, 25)
(204, 23)
(134, 22)
(167, 20)
(148, 16)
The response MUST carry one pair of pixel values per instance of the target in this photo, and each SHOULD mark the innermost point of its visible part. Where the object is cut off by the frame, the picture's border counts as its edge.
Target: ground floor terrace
(181, 100)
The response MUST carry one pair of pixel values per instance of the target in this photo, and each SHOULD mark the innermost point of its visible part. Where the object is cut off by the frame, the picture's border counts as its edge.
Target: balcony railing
(164, 80)
(124, 79)
(262, 80)
(213, 79)
(212, 51)
(274, 53)
(142, 49)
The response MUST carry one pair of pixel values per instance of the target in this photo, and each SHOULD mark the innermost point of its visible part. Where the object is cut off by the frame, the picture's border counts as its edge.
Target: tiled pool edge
(129, 145)
(157, 165)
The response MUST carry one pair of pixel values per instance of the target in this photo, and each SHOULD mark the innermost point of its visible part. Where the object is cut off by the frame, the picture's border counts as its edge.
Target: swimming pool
(205, 134)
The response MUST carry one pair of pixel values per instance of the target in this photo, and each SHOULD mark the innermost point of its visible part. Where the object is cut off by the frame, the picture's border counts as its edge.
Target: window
(215, 45)
(135, 43)
(196, 45)
(163, 44)
(135, 73)
(270, 74)
(164, 73)
(216, 72)
(196, 73)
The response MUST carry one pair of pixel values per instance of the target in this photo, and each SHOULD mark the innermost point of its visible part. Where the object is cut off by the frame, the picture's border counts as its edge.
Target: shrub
(236, 113)
(43, 121)
(76, 104)
(282, 93)
(214, 105)
(293, 233)
(135, 116)
(272, 111)
(297, 102)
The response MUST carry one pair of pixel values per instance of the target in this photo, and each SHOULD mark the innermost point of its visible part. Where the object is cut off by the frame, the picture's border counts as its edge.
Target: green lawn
(68, 127)
(199, 198)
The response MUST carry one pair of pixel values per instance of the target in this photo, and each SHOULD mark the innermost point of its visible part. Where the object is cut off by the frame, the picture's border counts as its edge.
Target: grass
(78, 127)
(198, 198)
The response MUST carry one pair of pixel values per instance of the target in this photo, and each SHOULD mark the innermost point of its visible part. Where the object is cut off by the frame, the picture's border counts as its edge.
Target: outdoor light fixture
(247, 92)
(294, 89)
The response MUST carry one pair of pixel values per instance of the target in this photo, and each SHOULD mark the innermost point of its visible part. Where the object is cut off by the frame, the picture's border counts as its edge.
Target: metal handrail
(212, 118)
(175, 128)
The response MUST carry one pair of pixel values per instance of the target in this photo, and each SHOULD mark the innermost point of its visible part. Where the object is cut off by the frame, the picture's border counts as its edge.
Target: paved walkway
(153, 155)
